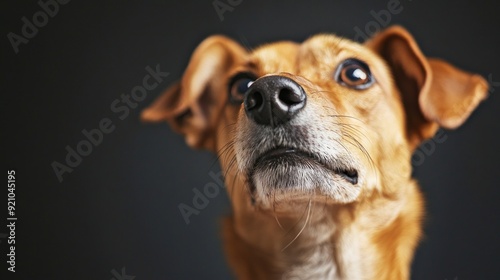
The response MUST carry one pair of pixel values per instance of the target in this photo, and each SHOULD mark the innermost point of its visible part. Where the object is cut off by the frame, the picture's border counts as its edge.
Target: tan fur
(367, 231)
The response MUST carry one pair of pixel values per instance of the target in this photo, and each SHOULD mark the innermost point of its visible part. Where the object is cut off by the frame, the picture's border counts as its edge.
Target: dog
(316, 140)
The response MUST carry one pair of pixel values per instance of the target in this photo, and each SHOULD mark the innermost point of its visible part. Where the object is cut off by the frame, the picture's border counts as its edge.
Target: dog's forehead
(331, 42)
(327, 49)
(318, 51)
(275, 57)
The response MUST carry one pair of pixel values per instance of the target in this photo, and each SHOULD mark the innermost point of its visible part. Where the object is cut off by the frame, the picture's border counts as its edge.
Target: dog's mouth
(289, 158)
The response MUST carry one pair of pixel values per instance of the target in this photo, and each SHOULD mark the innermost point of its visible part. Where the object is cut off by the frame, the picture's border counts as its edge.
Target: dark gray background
(118, 208)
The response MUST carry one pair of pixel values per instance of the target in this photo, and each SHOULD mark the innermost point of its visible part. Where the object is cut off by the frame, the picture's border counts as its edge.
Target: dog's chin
(290, 176)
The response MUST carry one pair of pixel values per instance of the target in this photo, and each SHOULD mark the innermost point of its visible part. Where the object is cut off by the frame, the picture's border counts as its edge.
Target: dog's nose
(274, 100)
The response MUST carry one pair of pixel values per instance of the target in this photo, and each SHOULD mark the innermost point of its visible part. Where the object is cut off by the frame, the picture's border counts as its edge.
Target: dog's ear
(193, 105)
(434, 93)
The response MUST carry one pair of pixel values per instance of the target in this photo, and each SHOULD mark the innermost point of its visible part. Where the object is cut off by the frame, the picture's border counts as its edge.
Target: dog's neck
(305, 246)
(283, 247)
(262, 245)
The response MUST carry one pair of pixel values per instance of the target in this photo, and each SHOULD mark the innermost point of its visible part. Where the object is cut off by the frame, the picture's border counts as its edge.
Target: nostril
(254, 100)
(289, 96)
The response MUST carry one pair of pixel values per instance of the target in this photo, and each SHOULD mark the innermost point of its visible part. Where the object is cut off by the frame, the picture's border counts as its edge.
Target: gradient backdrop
(116, 214)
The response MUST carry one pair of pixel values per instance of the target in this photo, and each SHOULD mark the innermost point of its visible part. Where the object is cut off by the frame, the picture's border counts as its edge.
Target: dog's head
(329, 119)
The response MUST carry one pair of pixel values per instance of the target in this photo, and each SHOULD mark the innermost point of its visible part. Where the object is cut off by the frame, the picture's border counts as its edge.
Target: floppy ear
(434, 93)
(193, 105)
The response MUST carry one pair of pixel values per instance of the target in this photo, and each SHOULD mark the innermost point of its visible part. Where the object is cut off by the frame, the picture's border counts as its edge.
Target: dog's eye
(354, 73)
(238, 85)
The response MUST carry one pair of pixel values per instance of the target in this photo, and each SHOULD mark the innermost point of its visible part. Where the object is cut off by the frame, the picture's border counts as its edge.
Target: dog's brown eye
(354, 73)
(238, 85)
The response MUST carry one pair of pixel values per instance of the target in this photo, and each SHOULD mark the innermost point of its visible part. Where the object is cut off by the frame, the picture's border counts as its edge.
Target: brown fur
(311, 235)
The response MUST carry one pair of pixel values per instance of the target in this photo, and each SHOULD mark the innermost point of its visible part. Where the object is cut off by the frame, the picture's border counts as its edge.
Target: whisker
(302, 229)
(296, 223)
(278, 221)
(244, 43)
(226, 146)
(274, 211)
(363, 150)
(233, 184)
(230, 166)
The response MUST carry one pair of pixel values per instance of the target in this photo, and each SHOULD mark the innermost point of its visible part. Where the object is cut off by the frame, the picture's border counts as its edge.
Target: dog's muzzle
(287, 149)
(274, 100)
